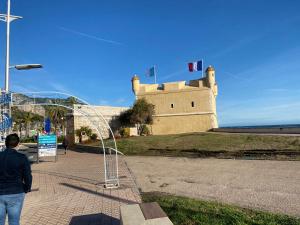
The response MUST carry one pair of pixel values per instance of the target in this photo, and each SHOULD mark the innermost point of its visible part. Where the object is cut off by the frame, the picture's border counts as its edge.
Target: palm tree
(38, 121)
(21, 119)
(18, 125)
(25, 119)
(71, 101)
(57, 115)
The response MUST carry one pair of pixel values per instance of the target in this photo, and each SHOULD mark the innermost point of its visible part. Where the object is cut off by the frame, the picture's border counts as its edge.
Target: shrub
(117, 134)
(27, 140)
(94, 137)
(145, 130)
(83, 131)
(60, 138)
(125, 132)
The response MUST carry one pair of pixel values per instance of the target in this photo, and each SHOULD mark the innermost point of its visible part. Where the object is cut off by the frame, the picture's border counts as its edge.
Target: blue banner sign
(47, 145)
(48, 125)
(6, 123)
(5, 98)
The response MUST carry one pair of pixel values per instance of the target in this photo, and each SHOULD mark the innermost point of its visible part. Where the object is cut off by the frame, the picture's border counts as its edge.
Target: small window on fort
(172, 106)
(193, 104)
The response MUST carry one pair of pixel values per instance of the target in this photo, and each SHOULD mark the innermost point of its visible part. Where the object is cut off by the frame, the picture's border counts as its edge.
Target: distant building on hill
(181, 107)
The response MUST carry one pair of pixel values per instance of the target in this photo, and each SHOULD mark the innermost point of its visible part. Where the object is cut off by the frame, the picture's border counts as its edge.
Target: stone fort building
(181, 107)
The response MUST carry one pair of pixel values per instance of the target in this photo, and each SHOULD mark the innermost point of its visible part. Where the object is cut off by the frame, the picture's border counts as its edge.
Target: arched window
(172, 105)
(193, 104)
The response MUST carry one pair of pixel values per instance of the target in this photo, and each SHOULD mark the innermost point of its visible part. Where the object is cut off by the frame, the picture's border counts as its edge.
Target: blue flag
(151, 72)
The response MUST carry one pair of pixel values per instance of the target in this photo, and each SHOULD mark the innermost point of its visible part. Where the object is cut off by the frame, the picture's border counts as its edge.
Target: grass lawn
(186, 211)
(211, 144)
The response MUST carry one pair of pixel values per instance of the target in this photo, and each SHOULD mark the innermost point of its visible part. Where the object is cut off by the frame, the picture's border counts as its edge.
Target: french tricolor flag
(195, 66)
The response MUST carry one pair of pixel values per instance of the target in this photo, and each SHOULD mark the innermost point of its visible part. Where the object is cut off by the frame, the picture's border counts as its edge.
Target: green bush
(125, 132)
(60, 139)
(145, 130)
(27, 139)
(83, 131)
(94, 137)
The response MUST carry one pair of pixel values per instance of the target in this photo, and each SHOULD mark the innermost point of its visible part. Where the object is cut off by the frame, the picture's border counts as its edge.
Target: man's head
(12, 141)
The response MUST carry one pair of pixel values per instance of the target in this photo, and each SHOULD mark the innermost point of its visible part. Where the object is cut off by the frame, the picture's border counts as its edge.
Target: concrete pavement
(71, 191)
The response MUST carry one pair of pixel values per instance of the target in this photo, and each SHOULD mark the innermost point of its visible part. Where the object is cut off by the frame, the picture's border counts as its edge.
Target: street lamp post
(8, 18)
(7, 46)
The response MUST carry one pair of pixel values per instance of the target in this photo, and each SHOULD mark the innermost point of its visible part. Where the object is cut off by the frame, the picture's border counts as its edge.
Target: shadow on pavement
(94, 219)
(71, 177)
(99, 194)
(86, 149)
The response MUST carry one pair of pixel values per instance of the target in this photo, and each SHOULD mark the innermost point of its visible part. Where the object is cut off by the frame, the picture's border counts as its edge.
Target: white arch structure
(110, 153)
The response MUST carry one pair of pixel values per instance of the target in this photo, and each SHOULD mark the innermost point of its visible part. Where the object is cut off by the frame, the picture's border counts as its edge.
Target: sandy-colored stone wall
(98, 118)
(183, 110)
(184, 101)
(182, 124)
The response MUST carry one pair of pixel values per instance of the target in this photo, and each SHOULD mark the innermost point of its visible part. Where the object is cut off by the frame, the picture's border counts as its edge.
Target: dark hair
(12, 141)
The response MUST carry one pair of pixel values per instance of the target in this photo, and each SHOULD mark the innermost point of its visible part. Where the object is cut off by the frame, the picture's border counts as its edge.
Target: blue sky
(92, 49)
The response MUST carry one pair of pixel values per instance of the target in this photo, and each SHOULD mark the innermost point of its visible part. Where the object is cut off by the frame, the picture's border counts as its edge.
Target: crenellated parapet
(203, 83)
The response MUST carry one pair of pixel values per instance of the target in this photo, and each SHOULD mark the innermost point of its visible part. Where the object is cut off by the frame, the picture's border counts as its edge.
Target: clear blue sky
(92, 48)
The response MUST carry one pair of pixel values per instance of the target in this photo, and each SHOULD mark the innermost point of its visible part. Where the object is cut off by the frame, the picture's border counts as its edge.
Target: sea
(266, 126)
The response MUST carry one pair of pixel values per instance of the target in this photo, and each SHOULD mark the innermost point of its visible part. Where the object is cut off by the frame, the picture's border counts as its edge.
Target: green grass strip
(186, 211)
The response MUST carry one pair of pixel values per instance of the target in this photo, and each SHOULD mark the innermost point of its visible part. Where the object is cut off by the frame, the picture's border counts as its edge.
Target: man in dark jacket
(15, 181)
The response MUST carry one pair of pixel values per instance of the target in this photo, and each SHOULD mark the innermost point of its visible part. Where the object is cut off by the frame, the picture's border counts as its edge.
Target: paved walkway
(266, 185)
(70, 192)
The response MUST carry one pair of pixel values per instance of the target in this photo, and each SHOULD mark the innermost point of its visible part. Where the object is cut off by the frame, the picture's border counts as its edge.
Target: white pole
(7, 47)
(155, 74)
(202, 68)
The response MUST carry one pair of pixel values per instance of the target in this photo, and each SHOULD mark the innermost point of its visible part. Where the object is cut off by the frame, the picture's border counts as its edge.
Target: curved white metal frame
(109, 181)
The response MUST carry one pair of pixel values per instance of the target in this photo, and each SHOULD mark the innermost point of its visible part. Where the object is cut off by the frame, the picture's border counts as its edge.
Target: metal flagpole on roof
(154, 68)
(202, 67)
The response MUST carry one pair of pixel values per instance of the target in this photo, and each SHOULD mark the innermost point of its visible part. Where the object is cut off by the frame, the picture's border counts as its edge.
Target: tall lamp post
(8, 18)
(6, 104)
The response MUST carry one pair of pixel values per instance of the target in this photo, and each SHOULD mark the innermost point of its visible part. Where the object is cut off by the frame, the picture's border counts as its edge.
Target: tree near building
(125, 118)
(28, 119)
(70, 101)
(83, 131)
(23, 119)
(140, 115)
(56, 115)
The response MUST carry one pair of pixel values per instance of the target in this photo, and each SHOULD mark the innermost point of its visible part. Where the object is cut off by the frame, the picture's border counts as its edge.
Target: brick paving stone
(70, 192)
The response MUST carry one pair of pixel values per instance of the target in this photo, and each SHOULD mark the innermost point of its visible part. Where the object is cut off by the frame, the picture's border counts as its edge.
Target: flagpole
(202, 68)
(154, 74)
